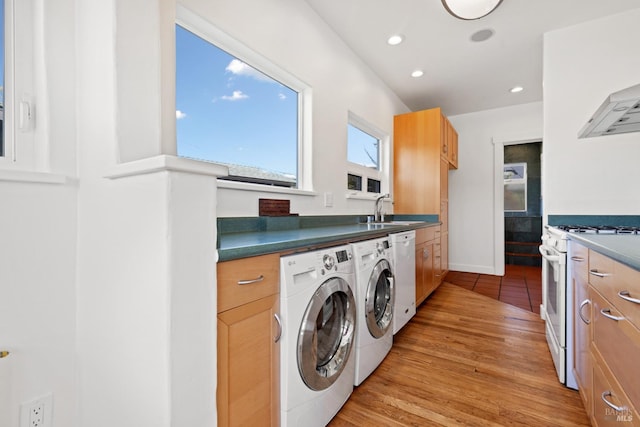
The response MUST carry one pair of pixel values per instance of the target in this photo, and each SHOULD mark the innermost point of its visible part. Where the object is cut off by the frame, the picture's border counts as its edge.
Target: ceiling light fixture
(395, 39)
(417, 73)
(470, 9)
(516, 89)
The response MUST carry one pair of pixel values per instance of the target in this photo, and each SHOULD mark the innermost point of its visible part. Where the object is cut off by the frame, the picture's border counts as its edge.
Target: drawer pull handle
(604, 396)
(607, 313)
(627, 297)
(582, 304)
(279, 334)
(577, 258)
(248, 282)
(597, 274)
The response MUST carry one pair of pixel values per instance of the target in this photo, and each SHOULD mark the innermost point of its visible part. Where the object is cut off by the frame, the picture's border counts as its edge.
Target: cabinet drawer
(621, 285)
(600, 270)
(426, 234)
(606, 390)
(618, 343)
(580, 261)
(249, 279)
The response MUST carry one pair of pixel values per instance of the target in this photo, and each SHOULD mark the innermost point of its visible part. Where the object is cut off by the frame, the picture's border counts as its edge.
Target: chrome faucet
(377, 213)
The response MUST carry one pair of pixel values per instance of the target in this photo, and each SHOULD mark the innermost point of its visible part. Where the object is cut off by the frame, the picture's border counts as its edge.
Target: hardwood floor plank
(465, 360)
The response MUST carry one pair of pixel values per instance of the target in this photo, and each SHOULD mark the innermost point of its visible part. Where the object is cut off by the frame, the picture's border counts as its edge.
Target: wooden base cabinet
(614, 295)
(426, 268)
(248, 351)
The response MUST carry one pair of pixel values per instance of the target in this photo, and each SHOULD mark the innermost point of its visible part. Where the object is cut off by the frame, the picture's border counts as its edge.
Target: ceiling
(460, 75)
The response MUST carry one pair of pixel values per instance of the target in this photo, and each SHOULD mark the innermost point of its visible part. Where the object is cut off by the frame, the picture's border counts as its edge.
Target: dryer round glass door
(326, 334)
(379, 300)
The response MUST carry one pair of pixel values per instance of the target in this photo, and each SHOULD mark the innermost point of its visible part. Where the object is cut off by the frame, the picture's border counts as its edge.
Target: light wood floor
(465, 360)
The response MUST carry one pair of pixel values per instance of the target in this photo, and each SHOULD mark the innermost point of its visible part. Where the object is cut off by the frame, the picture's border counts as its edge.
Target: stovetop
(598, 229)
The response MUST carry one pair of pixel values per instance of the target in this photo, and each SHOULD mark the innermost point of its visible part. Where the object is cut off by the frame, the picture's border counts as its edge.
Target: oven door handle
(545, 255)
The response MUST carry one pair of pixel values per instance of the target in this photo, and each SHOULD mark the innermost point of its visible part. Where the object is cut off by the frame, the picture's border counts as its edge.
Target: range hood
(619, 113)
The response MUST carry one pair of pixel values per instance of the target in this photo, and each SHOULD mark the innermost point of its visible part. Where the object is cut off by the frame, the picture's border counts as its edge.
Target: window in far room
(515, 187)
(233, 112)
(365, 156)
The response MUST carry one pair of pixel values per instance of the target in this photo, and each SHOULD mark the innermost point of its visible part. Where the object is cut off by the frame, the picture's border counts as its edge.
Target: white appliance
(403, 263)
(375, 296)
(318, 315)
(619, 113)
(557, 298)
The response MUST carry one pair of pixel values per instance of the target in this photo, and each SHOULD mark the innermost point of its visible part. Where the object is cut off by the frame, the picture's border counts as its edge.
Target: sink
(376, 225)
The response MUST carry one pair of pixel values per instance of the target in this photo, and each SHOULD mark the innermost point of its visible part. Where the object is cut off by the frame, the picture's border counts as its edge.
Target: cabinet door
(582, 328)
(424, 271)
(452, 147)
(248, 364)
(444, 253)
(444, 136)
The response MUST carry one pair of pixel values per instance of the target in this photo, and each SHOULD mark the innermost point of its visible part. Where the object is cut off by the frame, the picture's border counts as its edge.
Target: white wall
(474, 233)
(290, 34)
(582, 66)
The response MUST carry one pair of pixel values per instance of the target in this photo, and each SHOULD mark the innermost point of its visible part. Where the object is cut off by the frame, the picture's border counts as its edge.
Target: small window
(229, 112)
(354, 182)
(515, 187)
(363, 149)
(367, 156)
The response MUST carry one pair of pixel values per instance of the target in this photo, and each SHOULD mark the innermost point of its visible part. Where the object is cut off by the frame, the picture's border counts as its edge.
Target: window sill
(33, 177)
(164, 163)
(357, 195)
(244, 186)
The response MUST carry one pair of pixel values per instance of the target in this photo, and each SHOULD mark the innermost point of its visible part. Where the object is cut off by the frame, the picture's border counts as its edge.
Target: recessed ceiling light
(417, 73)
(482, 35)
(395, 39)
(516, 89)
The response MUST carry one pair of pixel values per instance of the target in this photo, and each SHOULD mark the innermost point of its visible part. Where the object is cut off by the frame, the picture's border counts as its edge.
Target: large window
(17, 94)
(231, 113)
(366, 156)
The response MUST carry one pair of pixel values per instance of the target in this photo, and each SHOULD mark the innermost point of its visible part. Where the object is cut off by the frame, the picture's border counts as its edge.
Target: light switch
(328, 199)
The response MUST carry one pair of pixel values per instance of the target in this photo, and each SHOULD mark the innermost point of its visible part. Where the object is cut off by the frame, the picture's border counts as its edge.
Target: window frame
(20, 38)
(210, 33)
(382, 172)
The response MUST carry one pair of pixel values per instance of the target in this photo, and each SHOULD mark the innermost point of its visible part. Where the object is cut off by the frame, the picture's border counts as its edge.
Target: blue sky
(231, 113)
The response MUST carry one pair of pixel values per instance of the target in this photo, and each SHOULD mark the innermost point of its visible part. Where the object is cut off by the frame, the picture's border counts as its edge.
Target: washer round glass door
(378, 304)
(326, 334)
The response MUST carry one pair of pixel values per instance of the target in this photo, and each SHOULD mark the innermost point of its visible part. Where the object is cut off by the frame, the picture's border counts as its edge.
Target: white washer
(375, 296)
(403, 257)
(318, 309)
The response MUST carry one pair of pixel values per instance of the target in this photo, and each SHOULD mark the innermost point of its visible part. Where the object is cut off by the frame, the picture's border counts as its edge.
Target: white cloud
(236, 96)
(239, 68)
(282, 96)
(180, 115)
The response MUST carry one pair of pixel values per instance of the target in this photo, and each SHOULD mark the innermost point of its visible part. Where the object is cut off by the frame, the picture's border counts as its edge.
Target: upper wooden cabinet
(421, 140)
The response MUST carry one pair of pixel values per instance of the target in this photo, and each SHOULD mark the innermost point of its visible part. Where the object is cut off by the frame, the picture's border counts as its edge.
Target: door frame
(499, 143)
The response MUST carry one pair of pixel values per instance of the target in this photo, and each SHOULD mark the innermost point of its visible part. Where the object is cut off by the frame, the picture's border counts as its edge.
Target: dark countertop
(624, 248)
(236, 239)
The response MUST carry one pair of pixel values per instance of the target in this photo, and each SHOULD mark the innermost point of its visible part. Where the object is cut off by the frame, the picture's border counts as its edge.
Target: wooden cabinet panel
(452, 147)
(606, 389)
(248, 356)
(424, 271)
(248, 363)
(263, 271)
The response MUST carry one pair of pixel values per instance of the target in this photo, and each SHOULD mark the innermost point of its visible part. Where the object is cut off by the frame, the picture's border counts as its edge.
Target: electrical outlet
(37, 412)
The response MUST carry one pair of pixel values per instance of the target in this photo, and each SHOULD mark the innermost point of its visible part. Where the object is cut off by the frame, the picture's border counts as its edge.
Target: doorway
(522, 193)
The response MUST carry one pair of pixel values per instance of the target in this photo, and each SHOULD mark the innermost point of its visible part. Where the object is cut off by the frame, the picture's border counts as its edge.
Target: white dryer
(318, 315)
(375, 296)
(403, 251)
